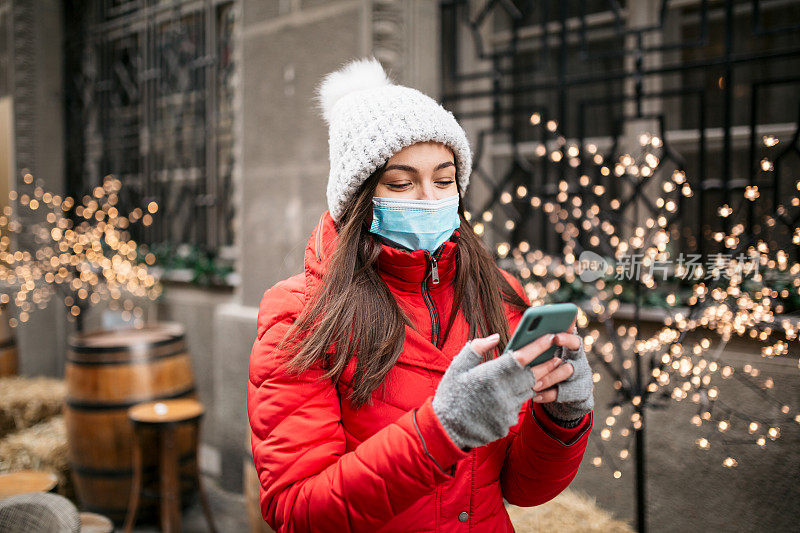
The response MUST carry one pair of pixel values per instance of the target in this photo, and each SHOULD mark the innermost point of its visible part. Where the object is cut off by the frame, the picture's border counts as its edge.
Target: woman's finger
(568, 340)
(534, 349)
(558, 375)
(483, 345)
(547, 395)
(542, 369)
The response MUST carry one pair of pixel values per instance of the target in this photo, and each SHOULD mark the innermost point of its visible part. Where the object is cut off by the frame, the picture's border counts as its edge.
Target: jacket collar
(400, 268)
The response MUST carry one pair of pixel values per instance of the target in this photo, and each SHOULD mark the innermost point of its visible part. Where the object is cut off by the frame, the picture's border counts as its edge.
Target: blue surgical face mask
(415, 224)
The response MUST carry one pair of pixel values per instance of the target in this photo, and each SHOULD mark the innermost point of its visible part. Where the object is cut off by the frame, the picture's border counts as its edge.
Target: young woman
(377, 397)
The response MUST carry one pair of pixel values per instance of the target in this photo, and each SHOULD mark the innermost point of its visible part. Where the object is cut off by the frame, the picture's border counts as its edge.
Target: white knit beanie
(370, 119)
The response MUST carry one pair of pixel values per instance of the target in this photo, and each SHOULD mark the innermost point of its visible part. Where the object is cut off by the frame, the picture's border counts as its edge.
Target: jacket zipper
(434, 261)
(426, 294)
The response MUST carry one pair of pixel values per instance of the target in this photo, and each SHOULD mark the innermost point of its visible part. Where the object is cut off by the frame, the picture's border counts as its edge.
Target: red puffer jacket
(390, 466)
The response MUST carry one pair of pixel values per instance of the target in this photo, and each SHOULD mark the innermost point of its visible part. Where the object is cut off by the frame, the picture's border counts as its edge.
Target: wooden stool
(26, 481)
(96, 523)
(165, 415)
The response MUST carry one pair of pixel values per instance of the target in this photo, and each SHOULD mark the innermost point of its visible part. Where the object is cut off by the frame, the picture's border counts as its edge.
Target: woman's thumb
(483, 345)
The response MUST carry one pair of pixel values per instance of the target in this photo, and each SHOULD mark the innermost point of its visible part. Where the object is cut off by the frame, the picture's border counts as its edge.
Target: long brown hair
(354, 312)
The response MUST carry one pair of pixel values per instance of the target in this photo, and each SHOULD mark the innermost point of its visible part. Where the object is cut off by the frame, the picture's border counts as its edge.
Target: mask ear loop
(368, 219)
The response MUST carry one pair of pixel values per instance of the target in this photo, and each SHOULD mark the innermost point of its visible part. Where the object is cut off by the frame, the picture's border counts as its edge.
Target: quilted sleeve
(308, 482)
(542, 458)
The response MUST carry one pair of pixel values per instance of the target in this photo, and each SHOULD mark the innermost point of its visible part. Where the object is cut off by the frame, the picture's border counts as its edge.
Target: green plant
(207, 267)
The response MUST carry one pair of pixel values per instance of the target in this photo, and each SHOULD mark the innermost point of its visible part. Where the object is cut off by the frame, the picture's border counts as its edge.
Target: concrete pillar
(286, 49)
(39, 144)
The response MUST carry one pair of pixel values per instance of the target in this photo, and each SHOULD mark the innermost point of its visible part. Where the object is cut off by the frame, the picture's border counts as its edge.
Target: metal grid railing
(149, 88)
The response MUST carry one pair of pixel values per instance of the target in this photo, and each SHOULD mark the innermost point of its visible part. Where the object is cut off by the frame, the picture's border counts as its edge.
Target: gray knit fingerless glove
(576, 393)
(477, 403)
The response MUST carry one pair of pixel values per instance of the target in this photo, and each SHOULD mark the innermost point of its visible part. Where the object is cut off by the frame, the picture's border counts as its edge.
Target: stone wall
(286, 48)
(36, 91)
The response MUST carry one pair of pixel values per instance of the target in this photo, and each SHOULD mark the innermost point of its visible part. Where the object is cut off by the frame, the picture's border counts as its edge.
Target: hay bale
(569, 512)
(41, 447)
(26, 401)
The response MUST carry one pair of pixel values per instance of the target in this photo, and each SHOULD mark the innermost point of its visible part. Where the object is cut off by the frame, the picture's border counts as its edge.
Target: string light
(89, 260)
(718, 301)
(769, 140)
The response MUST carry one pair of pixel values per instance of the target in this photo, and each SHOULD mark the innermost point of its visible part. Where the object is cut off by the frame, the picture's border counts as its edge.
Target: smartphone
(541, 320)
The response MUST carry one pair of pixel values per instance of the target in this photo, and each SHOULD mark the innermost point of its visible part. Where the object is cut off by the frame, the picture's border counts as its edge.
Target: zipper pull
(434, 271)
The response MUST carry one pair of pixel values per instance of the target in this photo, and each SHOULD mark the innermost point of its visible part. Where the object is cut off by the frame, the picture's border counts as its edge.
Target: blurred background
(162, 165)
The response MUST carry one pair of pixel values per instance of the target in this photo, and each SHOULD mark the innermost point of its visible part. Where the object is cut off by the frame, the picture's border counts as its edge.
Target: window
(714, 81)
(150, 100)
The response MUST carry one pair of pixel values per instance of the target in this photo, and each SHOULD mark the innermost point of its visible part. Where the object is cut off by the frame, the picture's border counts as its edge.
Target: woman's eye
(397, 186)
(445, 183)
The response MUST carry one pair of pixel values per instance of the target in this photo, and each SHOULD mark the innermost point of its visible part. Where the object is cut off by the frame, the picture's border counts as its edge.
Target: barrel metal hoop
(82, 405)
(8, 343)
(139, 346)
(127, 361)
(91, 471)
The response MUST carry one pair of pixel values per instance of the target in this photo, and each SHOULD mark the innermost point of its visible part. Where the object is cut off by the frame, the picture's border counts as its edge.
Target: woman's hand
(564, 383)
(477, 402)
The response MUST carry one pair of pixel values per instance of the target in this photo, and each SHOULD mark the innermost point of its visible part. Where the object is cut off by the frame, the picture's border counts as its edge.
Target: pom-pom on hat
(370, 119)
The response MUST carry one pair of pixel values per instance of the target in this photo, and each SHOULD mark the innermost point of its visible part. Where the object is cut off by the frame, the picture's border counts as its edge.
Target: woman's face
(422, 171)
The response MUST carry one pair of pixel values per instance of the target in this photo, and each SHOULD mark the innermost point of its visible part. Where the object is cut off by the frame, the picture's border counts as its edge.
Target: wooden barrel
(9, 363)
(107, 372)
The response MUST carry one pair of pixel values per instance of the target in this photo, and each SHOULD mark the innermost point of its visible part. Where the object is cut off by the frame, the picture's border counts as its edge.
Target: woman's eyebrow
(409, 168)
